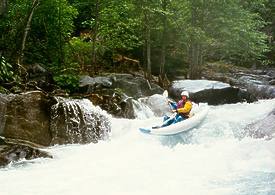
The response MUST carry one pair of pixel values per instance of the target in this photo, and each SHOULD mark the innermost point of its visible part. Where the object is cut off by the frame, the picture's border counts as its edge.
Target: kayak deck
(179, 127)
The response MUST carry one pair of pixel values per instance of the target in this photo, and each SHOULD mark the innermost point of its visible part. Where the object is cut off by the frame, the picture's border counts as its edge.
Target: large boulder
(44, 120)
(3, 108)
(132, 85)
(258, 82)
(211, 92)
(26, 116)
(89, 84)
(135, 86)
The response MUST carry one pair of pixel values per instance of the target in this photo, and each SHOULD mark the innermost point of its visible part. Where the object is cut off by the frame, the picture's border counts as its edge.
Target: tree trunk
(3, 7)
(95, 35)
(194, 50)
(148, 52)
(195, 61)
(163, 45)
(148, 44)
(61, 53)
(26, 31)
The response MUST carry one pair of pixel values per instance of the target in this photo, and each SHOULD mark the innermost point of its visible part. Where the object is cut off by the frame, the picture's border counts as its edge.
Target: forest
(159, 37)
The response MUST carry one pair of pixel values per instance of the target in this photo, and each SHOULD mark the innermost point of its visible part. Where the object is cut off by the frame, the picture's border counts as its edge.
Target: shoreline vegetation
(159, 39)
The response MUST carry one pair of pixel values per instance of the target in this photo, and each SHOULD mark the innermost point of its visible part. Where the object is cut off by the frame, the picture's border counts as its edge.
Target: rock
(227, 95)
(26, 116)
(272, 82)
(44, 120)
(115, 93)
(39, 78)
(211, 92)
(14, 152)
(135, 86)
(264, 128)
(258, 82)
(89, 84)
(117, 104)
(3, 109)
(132, 86)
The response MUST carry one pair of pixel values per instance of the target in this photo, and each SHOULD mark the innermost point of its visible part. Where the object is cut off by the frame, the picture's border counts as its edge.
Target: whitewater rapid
(211, 159)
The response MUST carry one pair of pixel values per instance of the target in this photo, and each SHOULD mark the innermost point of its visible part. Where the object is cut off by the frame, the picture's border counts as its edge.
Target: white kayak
(179, 127)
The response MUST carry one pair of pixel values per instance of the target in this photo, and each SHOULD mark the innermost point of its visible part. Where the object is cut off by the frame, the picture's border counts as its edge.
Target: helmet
(185, 93)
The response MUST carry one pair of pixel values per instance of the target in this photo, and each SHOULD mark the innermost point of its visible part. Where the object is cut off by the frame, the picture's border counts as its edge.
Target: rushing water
(211, 159)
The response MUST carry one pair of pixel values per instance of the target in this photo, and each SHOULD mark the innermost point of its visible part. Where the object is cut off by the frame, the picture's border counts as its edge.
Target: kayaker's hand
(174, 111)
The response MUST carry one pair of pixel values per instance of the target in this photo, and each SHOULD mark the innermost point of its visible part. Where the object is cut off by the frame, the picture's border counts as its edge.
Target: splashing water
(210, 159)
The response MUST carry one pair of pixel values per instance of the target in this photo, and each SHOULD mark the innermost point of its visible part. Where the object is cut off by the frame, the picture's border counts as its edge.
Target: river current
(212, 159)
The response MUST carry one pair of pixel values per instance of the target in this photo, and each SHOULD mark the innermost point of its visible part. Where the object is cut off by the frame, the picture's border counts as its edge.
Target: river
(212, 159)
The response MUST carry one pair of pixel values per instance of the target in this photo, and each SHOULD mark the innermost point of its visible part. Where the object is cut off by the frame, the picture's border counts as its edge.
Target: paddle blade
(145, 130)
(165, 94)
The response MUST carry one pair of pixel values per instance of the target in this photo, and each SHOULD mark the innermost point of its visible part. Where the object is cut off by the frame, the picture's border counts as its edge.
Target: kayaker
(182, 108)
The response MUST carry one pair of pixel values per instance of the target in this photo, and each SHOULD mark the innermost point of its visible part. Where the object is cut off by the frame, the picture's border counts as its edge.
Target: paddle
(165, 94)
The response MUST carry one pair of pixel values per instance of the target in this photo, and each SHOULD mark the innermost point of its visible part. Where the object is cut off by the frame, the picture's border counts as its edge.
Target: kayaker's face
(184, 98)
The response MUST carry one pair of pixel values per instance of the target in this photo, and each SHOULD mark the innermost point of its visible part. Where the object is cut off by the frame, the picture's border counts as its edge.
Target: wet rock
(44, 120)
(211, 92)
(227, 95)
(26, 116)
(3, 109)
(15, 152)
(258, 82)
(272, 82)
(117, 104)
(115, 93)
(264, 128)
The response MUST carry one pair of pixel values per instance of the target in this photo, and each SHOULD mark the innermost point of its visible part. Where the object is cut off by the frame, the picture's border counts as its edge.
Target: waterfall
(141, 110)
(78, 121)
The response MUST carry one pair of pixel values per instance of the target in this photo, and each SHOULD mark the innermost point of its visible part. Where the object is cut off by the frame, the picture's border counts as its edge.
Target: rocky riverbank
(47, 118)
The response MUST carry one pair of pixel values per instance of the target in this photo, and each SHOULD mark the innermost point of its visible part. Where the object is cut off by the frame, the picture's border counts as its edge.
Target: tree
(146, 14)
(219, 30)
(3, 7)
(26, 31)
(164, 4)
(52, 28)
(11, 28)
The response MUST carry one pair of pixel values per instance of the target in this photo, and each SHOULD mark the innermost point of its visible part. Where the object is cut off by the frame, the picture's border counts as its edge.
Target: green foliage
(6, 71)
(3, 90)
(54, 30)
(68, 82)
(11, 27)
(223, 30)
(51, 27)
(117, 29)
(78, 53)
(233, 30)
